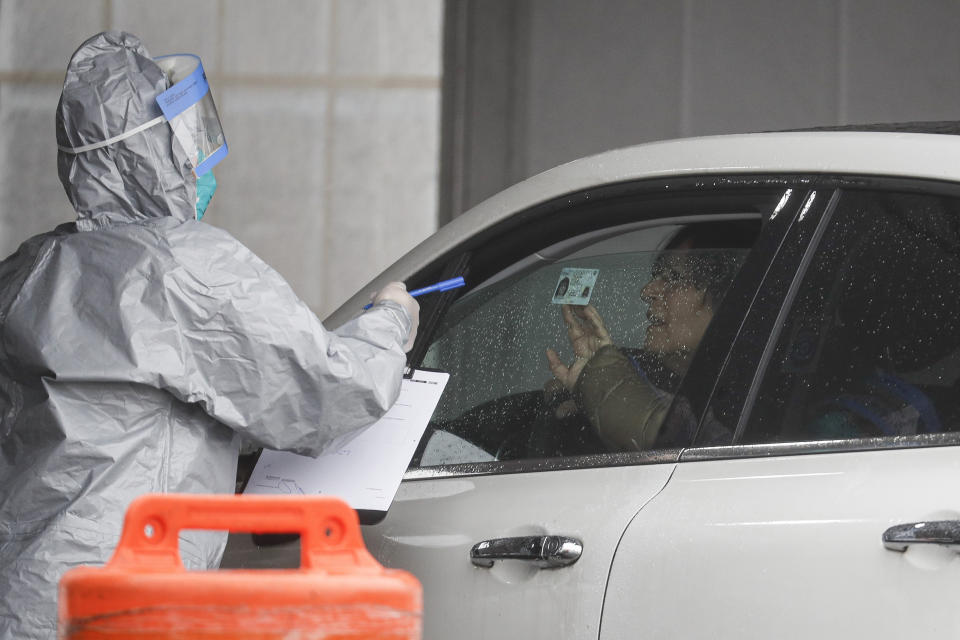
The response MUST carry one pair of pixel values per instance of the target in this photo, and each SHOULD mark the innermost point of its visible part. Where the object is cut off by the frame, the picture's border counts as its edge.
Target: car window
(871, 345)
(622, 314)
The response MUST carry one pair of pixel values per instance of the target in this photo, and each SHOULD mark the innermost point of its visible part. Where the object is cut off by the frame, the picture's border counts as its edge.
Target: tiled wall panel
(280, 38)
(901, 64)
(40, 35)
(388, 37)
(32, 200)
(273, 197)
(378, 213)
(554, 80)
(301, 171)
(597, 83)
(164, 29)
(756, 65)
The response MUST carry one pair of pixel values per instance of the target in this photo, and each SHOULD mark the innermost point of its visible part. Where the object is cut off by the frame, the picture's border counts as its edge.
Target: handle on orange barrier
(329, 529)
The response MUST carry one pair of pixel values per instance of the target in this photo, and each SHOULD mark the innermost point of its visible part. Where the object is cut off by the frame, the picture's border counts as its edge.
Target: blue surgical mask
(206, 185)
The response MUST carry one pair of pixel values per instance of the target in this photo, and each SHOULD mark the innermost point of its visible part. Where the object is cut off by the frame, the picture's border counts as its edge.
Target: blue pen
(445, 285)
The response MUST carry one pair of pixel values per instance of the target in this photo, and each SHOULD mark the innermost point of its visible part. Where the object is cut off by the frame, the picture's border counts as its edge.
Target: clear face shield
(188, 106)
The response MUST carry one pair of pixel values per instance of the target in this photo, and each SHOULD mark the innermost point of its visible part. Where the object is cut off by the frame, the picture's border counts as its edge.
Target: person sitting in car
(627, 394)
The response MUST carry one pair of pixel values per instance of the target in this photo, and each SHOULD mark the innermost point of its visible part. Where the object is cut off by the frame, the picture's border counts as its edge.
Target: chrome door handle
(548, 552)
(942, 532)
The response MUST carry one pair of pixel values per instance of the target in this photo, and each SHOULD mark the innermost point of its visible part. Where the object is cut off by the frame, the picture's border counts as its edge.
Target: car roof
(914, 150)
(946, 127)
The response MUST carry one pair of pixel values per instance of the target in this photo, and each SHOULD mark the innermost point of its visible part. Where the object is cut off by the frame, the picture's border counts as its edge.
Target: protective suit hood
(111, 86)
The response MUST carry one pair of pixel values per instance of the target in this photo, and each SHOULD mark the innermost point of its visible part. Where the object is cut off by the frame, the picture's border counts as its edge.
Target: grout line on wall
(266, 81)
(517, 159)
(221, 20)
(843, 98)
(331, 80)
(453, 109)
(326, 201)
(107, 15)
(686, 71)
(32, 77)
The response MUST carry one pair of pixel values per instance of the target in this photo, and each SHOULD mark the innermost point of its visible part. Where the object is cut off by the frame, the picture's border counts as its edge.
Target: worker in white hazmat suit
(138, 345)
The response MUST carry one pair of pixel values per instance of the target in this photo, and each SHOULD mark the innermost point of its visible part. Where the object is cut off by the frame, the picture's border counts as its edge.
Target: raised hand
(587, 335)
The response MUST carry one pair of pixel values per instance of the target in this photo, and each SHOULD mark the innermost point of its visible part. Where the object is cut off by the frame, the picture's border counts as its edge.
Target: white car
(750, 428)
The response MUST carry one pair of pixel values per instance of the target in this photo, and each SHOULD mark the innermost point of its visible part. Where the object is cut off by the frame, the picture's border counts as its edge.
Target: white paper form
(364, 470)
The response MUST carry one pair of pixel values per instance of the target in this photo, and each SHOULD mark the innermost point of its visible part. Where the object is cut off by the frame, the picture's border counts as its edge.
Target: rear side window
(871, 346)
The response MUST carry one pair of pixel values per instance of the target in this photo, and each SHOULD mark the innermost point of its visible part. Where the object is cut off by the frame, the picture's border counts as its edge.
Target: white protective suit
(138, 345)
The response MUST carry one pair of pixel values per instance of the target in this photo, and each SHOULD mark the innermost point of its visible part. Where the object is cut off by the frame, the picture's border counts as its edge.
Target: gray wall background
(331, 109)
(541, 82)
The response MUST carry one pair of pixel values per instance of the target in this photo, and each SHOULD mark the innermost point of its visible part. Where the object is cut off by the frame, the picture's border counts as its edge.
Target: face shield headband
(188, 108)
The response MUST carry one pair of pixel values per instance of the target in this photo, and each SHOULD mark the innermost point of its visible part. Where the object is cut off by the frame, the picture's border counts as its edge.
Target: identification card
(575, 286)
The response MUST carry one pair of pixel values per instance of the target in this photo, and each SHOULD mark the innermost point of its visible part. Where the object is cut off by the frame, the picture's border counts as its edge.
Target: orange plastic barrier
(340, 591)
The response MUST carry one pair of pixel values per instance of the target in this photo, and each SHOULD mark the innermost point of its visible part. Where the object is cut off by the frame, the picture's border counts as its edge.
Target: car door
(833, 511)
(512, 526)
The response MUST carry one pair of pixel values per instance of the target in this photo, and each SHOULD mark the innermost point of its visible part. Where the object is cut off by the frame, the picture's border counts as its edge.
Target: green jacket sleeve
(623, 406)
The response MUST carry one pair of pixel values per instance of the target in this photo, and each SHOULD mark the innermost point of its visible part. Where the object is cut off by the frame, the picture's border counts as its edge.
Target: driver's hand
(557, 398)
(587, 335)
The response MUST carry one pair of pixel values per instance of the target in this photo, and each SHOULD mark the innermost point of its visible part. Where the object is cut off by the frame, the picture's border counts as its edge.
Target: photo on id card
(575, 286)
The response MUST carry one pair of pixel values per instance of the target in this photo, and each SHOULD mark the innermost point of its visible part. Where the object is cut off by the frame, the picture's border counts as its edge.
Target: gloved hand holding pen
(444, 285)
(397, 292)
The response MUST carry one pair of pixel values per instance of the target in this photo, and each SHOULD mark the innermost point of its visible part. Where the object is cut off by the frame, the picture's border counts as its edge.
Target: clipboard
(364, 469)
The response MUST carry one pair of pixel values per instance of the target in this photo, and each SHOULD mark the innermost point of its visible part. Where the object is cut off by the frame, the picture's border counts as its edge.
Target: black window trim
(517, 224)
(500, 467)
(810, 447)
(692, 185)
(774, 336)
(702, 383)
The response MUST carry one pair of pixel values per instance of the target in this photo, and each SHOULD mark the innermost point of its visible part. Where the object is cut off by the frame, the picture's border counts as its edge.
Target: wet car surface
(753, 432)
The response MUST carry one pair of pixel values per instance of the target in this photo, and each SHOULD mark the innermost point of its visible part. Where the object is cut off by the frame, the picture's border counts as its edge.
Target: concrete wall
(331, 109)
(548, 81)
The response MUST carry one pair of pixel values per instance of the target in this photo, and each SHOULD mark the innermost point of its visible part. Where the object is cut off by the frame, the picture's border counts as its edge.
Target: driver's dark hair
(718, 249)
(726, 234)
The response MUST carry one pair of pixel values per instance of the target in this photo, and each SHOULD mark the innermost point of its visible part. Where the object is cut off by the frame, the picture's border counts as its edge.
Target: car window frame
(712, 355)
(750, 358)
